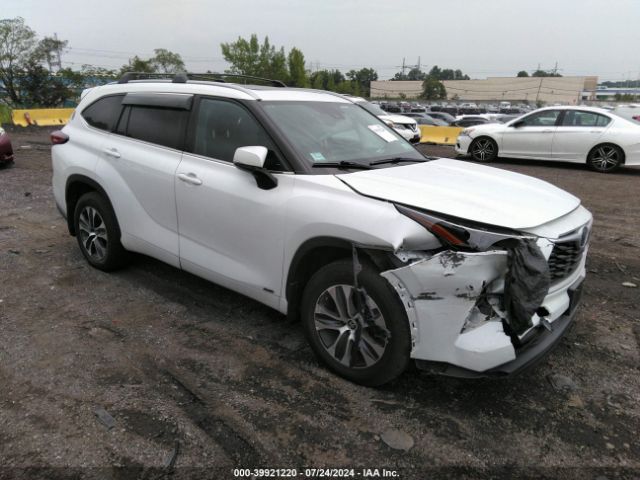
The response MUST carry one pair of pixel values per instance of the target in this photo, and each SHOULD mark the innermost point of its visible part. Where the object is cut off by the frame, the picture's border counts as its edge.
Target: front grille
(565, 258)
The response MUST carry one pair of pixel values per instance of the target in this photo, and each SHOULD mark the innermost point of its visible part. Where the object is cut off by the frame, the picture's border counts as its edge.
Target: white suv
(307, 203)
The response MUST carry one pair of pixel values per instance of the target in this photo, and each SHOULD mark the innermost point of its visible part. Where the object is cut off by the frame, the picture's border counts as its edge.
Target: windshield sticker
(383, 133)
(317, 156)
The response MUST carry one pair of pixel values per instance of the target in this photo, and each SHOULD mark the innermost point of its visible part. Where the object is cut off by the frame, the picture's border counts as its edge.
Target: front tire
(369, 346)
(98, 233)
(483, 149)
(605, 158)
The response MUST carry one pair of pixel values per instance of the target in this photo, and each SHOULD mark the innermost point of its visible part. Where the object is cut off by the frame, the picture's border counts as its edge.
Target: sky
(481, 37)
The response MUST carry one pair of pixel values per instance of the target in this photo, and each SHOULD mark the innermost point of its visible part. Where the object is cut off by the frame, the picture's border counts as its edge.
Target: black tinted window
(162, 126)
(223, 126)
(104, 113)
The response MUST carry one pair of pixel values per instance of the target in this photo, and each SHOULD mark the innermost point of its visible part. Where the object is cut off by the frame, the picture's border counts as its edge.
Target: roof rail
(184, 77)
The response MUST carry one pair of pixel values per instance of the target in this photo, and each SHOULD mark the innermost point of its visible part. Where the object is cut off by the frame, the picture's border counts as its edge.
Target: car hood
(397, 119)
(465, 190)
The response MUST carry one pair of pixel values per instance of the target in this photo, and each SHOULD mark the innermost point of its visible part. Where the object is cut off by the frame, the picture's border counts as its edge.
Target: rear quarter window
(104, 112)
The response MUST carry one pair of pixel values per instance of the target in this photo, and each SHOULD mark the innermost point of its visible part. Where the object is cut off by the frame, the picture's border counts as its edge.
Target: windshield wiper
(341, 164)
(399, 160)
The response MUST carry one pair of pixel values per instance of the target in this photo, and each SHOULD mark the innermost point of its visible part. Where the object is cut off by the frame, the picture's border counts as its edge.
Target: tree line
(31, 76)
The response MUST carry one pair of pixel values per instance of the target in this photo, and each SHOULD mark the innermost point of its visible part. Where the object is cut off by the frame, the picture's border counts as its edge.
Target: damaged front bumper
(458, 330)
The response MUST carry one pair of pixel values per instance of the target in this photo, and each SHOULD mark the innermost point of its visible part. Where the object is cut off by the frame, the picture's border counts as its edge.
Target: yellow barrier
(42, 117)
(439, 135)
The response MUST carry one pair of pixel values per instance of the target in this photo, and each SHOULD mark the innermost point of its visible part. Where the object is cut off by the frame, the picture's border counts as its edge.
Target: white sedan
(602, 140)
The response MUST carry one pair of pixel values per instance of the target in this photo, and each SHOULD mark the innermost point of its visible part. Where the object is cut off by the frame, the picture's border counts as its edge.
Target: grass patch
(5, 114)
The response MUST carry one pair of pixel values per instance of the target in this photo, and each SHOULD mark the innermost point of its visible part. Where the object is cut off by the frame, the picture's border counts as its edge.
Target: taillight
(636, 118)
(59, 137)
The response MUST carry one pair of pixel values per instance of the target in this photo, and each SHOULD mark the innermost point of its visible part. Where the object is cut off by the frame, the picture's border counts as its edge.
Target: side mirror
(251, 159)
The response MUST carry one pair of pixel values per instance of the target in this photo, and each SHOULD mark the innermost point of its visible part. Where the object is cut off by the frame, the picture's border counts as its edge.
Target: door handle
(547, 131)
(112, 152)
(191, 178)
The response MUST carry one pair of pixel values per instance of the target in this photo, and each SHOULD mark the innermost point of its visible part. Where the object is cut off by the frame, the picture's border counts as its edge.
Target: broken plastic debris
(562, 383)
(397, 439)
(170, 461)
(105, 418)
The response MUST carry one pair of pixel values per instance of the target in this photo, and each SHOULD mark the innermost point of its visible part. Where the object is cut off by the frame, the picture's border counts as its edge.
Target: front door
(231, 231)
(530, 136)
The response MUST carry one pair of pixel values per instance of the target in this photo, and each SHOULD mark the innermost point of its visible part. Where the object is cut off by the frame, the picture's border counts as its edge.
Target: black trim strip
(165, 100)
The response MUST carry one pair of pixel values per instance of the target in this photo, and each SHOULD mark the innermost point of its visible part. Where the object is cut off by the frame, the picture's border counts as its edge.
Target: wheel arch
(76, 186)
(319, 251)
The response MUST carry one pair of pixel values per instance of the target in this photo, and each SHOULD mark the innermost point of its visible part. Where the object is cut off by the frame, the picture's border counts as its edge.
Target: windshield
(372, 108)
(331, 132)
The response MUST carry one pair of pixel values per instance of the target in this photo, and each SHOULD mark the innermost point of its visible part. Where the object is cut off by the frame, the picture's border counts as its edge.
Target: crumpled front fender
(439, 295)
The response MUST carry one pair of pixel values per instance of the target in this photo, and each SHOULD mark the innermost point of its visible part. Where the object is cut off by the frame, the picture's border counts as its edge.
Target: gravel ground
(182, 365)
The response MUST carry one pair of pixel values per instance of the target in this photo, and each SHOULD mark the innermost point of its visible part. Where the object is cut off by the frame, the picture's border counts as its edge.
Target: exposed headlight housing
(457, 235)
(467, 132)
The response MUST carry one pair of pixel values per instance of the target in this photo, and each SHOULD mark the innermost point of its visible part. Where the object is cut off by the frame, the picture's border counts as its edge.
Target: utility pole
(57, 61)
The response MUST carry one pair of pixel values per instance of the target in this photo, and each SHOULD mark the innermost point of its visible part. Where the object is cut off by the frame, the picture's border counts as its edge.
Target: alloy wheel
(93, 233)
(483, 150)
(605, 158)
(355, 337)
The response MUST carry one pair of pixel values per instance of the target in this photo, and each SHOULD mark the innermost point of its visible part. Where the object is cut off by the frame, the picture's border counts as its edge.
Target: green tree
(433, 89)
(165, 61)
(363, 79)
(38, 88)
(17, 45)
(317, 80)
(331, 83)
(542, 73)
(297, 69)
(136, 64)
(248, 57)
(447, 74)
(47, 49)
(522, 73)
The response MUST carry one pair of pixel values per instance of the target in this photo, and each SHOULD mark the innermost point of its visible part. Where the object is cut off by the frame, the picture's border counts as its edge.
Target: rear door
(530, 136)
(139, 163)
(579, 131)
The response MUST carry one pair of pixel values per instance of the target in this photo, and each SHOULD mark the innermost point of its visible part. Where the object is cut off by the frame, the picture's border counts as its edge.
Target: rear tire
(605, 158)
(98, 233)
(483, 149)
(370, 350)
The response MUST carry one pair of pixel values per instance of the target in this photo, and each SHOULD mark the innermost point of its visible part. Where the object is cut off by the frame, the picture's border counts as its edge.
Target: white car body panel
(460, 189)
(232, 232)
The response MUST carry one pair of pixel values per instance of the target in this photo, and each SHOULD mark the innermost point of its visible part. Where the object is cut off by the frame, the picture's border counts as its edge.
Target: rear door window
(162, 126)
(575, 118)
(104, 113)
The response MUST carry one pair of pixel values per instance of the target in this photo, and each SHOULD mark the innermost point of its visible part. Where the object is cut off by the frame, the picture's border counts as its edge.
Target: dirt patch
(175, 358)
